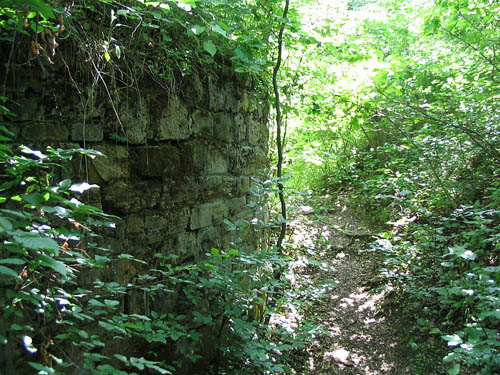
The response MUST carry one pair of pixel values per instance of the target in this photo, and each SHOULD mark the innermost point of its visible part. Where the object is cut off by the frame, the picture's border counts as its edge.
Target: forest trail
(358, 338)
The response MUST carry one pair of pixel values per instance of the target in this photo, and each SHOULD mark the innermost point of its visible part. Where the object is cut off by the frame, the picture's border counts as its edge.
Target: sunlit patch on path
(357, 338)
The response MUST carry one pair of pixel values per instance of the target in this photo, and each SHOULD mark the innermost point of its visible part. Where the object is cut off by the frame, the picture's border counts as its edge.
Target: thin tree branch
(279, 142)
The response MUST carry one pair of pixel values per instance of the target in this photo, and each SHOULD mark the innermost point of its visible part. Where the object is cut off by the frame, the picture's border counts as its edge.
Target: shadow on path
(358, 339)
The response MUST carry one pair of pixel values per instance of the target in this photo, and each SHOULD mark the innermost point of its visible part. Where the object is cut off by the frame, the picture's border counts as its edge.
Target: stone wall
(178, 163)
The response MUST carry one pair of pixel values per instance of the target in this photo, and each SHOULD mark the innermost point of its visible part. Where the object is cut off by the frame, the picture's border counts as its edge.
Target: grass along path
(357, 338)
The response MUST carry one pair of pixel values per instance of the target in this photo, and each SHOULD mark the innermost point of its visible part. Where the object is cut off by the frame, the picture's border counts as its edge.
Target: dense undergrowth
(411, 132)
(63, 311)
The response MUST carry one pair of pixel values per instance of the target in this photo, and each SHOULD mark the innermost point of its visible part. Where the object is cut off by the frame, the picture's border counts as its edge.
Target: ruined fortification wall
(177, 163)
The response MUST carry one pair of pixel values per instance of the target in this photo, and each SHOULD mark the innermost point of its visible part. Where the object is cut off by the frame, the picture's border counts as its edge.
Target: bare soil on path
(358, 338)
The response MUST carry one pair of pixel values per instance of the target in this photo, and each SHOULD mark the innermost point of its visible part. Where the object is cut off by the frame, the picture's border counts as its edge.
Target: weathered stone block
(135, 224)
(184, 191)
(239, 129)
(157, 161)
(255, 132)
(216, 96)
(156, 221)
(186, 246)
(223, 124)
(211, 186)
(25, 92)
(173, 122)
(262, 110)
(157, 226)
(25, 110)
(195, 156)
(126, 198)
(220, 210)
(113, 165)
(208, 239)
(96, 107)
(88, 132)
(243, 103)
(237, 205)
(135, 120)
(193, 90)
(239, 158)
(44, 132)
(181, 220)
(205, 214)
(203, 124)
(229, 184)
(216, 162)
(201, 216)
(257, 159)
(116, 198)
(243, 185)
(231, 100)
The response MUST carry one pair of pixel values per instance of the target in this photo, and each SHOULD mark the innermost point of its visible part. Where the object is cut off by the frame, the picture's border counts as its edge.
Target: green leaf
(34, 198)
(138, 316)
(54, 264)
(210, 47)
(17, 327)
(121, 358)
(94, 302)
(218, 29)
(44, 9)
(5, 225)
(187, 2)
(35, 153)
(101, 259)
(230, 226)
(64, 184)
(8, 271)
(35, 242)
(198, 29)
(462, 252)
(215, 252)
(137, 362)
(45, 370)
(493, 314)
(16, 261)
(111, 303)
(454, 370)
(28, 344)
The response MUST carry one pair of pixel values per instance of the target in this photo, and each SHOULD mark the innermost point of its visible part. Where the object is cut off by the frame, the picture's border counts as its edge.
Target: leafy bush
(59, 313)
(410, 130)
(49, 248)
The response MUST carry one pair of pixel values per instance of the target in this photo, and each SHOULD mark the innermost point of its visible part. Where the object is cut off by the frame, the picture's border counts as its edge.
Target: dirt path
(358, 338)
